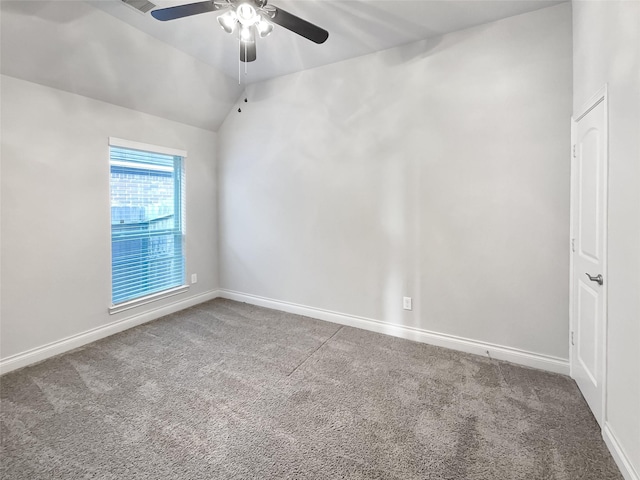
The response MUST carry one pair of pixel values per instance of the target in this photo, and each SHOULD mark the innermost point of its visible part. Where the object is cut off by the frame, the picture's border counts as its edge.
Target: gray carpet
(226, 390)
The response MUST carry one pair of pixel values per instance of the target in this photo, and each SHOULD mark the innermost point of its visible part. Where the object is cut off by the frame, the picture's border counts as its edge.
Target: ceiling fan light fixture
(228, 21)
(264, 28)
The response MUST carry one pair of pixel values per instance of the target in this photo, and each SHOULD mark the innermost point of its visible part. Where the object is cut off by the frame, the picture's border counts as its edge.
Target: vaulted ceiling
(356, 27)
(187, 70)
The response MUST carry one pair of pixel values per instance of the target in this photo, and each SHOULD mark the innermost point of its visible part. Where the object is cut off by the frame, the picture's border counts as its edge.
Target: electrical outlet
(194, 278)
(406, 303)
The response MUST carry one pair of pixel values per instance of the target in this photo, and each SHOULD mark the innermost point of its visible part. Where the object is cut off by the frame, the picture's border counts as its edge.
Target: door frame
(601, 96)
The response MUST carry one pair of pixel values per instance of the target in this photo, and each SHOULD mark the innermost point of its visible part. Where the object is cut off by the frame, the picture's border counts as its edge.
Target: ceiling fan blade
(179, 11)
(248, 55)
(299, 26)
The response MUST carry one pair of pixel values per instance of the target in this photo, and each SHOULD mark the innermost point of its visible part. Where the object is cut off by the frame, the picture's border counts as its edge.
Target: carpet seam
(313, 353)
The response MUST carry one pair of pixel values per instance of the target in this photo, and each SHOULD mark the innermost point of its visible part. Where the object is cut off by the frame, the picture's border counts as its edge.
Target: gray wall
(438, 170)
(606, 38)
(56, 251)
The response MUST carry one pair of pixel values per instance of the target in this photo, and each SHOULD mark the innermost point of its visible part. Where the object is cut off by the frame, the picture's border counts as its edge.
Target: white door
(589, 232)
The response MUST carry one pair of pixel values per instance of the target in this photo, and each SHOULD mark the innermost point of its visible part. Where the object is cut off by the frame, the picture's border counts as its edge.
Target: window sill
(121, 307)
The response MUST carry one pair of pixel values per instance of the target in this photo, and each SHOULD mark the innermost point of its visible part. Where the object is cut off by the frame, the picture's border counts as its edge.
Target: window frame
(153, 297)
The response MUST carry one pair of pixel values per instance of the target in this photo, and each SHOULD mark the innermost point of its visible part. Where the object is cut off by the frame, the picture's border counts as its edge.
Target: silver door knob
(597, 279)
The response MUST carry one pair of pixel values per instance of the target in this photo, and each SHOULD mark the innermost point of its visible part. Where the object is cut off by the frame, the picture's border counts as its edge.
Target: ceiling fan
(246, 18)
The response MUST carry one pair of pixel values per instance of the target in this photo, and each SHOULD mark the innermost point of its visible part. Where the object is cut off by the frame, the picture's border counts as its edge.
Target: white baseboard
(514, 355)
(37, 354)
(618, 454)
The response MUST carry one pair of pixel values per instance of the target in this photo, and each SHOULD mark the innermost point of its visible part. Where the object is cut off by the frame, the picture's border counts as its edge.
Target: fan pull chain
(239, 62)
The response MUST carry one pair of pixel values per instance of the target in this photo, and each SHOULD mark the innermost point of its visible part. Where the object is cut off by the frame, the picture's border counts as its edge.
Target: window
(147, 222)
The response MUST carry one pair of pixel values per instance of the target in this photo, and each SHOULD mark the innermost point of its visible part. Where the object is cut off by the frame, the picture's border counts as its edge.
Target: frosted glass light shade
(228, 21)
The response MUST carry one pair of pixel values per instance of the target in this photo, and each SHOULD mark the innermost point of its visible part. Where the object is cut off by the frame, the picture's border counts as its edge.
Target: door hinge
(574, 151)
(573, 245)
(572, 339)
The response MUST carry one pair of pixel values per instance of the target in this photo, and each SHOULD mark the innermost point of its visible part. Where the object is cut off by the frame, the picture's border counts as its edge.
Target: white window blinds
(147, 223)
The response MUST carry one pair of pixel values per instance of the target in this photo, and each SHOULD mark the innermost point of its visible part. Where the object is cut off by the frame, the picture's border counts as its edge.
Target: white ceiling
(105, 50)
(356, 27)
(71, 46)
